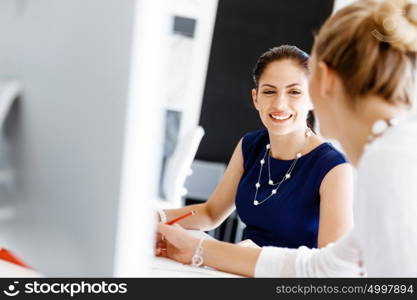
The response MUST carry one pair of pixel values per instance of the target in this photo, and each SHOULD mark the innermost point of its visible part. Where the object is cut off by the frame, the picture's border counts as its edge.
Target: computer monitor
(81, 145)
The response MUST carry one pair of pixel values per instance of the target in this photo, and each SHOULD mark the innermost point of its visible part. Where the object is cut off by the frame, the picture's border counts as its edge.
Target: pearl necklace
(276, 185)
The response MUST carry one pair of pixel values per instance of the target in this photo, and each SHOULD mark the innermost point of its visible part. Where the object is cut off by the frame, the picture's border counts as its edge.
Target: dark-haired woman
(289, 187)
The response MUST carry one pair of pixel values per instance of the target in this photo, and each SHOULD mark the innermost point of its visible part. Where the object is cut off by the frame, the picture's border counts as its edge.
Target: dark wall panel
(245, 29)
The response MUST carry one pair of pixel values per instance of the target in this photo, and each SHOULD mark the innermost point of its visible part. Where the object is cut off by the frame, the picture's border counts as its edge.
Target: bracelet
(197, 259)
(162, 216)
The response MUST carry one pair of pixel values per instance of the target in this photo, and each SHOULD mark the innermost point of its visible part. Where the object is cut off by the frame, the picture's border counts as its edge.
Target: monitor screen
(63, 180)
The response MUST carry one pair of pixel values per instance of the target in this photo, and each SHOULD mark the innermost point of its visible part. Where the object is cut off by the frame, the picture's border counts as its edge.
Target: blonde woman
(363, 81)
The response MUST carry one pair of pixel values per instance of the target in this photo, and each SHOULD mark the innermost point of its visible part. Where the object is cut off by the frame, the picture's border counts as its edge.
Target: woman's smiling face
(282, 98)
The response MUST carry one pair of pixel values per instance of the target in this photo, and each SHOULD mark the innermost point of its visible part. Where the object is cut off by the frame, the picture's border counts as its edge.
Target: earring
(308, 132)
(380, 126)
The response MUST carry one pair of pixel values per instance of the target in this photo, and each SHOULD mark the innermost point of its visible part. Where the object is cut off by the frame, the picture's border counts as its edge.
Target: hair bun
(397, 24)
(411, 13)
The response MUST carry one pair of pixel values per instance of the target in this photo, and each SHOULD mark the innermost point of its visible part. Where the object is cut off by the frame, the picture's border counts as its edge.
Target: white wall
(338, 4)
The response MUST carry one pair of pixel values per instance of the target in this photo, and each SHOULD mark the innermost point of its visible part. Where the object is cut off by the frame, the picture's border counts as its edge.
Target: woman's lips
(280, 118)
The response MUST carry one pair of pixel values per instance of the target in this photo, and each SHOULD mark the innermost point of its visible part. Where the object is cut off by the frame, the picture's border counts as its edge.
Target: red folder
(10, 257)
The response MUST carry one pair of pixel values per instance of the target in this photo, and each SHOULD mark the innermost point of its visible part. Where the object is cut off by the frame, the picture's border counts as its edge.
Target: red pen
(10, 257)
(180, 218)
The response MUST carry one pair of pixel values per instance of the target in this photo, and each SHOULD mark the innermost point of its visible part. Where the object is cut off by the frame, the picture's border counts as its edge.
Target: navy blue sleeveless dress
(290, 218)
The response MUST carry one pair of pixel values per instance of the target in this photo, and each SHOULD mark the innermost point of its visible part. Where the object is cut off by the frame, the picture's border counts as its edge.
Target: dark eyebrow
(273, 86)
(270, 85)
(292, 84)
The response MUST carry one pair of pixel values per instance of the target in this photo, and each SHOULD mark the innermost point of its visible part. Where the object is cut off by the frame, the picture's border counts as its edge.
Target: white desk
(11, 270)
(164, 267)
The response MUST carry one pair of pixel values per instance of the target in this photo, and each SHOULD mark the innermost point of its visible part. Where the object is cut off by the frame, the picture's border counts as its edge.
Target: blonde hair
(372, 45)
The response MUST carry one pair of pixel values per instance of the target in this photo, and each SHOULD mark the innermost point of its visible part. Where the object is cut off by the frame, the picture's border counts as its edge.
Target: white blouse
(383, 242)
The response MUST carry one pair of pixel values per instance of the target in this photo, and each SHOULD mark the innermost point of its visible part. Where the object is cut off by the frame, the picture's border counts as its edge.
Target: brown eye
(295, 92)
(269, 92)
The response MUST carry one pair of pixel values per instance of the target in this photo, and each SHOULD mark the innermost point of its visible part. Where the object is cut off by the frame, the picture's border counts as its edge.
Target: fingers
(161, 251)
(161, 248)
(166, 230)
(176, 225)
(162, 228)
(159, 237)
(160, 243)
(174, 234)
(165, 234)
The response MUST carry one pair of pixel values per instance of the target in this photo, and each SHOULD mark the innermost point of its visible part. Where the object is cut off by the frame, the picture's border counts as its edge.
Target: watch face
(197, 260)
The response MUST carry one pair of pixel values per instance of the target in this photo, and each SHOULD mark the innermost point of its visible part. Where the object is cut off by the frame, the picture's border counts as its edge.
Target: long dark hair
(280, 53)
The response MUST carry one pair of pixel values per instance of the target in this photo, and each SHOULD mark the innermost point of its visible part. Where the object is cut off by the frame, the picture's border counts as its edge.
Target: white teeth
(281, 117)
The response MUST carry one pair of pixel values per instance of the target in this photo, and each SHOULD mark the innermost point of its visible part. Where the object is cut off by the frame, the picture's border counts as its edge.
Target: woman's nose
(279, 102)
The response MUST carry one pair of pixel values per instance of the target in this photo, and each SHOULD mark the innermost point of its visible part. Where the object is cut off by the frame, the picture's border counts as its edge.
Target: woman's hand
(177, 244)
(248, 243)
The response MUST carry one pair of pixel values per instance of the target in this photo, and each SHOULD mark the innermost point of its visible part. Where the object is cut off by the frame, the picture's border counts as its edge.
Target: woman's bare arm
(220, 204)
(336, 194)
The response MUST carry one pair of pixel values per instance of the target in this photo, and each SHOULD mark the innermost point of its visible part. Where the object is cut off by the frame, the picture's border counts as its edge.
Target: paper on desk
(164, 267)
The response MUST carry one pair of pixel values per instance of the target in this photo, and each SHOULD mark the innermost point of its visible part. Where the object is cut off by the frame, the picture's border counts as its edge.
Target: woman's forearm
(222, 256)
(230, 258)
